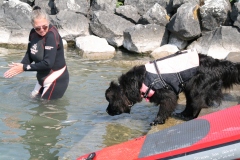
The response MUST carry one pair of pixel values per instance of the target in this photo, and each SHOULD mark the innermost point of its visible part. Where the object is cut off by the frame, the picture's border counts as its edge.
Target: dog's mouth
(114, 113)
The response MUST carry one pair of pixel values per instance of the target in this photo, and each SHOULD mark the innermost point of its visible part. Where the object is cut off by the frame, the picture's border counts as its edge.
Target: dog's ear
(114, 87)
(113, 84)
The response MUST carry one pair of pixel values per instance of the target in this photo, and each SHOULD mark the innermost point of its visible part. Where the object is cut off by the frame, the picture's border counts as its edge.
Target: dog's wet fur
(203, 90)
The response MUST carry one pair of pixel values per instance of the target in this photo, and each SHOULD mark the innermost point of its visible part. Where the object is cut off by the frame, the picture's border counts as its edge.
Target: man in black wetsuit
(45, 48)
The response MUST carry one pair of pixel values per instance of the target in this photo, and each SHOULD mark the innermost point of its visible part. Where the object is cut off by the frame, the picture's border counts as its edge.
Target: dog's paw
(182, 116)
(157, 121)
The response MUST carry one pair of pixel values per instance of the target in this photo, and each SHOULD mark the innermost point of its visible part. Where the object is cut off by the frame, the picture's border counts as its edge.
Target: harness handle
(159, 76)
(181, 82)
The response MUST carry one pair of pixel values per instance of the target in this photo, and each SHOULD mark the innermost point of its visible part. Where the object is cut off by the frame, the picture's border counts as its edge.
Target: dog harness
(170, 72)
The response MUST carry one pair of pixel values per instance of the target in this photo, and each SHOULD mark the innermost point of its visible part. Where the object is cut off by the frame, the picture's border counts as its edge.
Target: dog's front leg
(167, 102)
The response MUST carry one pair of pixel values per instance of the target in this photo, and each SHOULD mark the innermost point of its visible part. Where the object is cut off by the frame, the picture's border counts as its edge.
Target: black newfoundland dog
(201, 78)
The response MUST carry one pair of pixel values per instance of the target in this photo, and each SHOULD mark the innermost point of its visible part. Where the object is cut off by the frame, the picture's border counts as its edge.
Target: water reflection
(43, 129)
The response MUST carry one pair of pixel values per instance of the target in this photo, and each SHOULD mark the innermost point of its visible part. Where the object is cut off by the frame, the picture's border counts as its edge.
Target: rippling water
(76, 124)
(37, 129)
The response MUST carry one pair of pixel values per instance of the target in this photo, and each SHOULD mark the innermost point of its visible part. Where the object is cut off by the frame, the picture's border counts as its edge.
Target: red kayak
(214, 136)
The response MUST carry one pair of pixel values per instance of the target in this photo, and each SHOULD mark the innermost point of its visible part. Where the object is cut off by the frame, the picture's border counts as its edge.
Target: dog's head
(118, 102)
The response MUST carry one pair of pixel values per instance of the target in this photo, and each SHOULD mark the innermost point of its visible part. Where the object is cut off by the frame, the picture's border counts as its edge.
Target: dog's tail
(231, 74)
(228, 72)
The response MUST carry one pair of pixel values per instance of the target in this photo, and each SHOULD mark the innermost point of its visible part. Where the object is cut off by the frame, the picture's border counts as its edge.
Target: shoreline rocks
(210, 26)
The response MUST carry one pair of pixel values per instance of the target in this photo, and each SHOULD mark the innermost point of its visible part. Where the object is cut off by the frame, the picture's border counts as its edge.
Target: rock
(65, 45)
(144, 38)
(193, 23)
(5, 35)
(104, 5)
(177, 3)
(78, 6)
(215, 13)
(70, 24)
(110, 26)
(218, 43)
(19, 39)
(93, 47)
(185, 23)
(15, 24)
(48, 6)
(16, 15)
(155, 15)
(174, 40)
(234, 57)
(235, 14)
(164, 51)
(143, 5)
(128, 12)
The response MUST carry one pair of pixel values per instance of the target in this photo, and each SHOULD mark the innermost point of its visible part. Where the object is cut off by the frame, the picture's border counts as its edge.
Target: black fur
(202, 90)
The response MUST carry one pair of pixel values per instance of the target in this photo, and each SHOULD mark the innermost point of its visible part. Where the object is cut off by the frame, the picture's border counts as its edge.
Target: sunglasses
(44, 27)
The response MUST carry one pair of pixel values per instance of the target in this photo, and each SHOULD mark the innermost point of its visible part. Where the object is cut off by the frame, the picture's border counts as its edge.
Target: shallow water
(76, 124)
(37, 129)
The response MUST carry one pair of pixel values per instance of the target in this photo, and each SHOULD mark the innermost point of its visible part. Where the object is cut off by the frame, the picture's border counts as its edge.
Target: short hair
(37, 12)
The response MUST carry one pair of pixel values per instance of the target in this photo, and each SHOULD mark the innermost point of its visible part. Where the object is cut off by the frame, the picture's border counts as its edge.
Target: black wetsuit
(48, 54)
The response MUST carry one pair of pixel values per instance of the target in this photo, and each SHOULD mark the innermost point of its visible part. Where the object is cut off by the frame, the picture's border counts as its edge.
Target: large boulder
(128, 12)
(185, 23)
(215, 13)
(16, 15)
(80, 6)
(155, 15)
(110, 26)
(174, 40)
(145, 38)
(15, 24)
(218, 43)
(70, 24)
(48, 5)
(5, 35)
(143, 5)
(177, 3)
(235, 14)
(103, 5)
(95, 48)
(164, 51)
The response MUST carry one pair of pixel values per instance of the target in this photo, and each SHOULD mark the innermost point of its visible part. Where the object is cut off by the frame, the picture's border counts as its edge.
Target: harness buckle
(182, 85)
(148, 90)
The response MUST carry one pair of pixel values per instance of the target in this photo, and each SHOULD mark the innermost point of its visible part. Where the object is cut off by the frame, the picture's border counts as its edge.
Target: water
(34, 129)
(39, 130)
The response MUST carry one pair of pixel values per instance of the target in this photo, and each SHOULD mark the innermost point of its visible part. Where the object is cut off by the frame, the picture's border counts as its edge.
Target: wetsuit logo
(34, 49)
(49, 47)
(28, 67)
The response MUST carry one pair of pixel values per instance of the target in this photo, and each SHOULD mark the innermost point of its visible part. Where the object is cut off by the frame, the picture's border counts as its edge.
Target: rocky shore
(154, 28)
